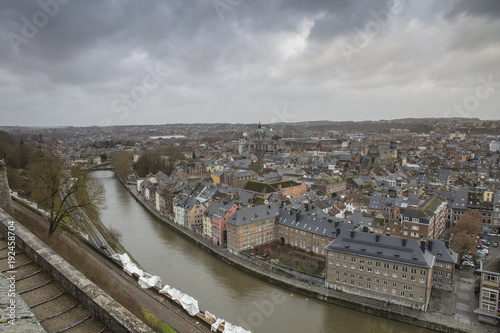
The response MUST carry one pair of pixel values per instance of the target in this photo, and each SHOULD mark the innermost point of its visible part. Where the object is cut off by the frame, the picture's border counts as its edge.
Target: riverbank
(435, 321)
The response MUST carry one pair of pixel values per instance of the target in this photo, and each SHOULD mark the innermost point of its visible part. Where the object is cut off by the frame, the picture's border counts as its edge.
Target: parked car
(467, 264)
(495, 244)
(485, 242)
(485, 251)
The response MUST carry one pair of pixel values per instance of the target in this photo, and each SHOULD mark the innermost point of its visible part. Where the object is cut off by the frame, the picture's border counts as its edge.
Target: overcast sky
(122, 62)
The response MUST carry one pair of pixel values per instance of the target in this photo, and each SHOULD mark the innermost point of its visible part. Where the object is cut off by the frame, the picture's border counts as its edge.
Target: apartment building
(426, 221)
(252, 226)
(307, 228)
(386, 268)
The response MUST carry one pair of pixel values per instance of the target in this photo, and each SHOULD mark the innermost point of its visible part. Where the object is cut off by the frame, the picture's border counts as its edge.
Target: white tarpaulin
(165, 289)
(209, 316)
(175, 294)
(229, 328)
(124, 258)
(131, 268)
(128, 266)
(216, 325)
(189, 304)
(147, 281)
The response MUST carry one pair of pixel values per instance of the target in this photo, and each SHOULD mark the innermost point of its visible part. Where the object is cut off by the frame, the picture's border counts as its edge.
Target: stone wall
(101, 305)
(5, 199)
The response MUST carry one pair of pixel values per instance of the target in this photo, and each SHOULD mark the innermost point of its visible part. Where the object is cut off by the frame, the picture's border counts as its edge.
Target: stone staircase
(54, 308)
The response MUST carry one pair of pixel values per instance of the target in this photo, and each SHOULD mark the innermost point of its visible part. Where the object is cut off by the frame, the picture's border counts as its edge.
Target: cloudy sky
(122, 62)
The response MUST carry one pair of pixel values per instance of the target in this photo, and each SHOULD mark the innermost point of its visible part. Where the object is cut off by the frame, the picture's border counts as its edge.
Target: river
(219, 288)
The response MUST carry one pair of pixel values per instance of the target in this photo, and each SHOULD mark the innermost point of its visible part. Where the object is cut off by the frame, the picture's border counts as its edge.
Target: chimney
(337, 224)
(365, 229)
(447, 244)
(352, 233)
(404, 242)
(297, 216)
(337, 232)
(306, 207)
(430, 244)
(422, 245)
(377, 238)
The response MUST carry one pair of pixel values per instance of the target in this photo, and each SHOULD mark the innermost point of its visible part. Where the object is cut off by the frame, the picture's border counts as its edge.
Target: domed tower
(259, 133)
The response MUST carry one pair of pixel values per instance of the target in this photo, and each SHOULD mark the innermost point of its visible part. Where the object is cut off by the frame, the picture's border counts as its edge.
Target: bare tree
(121, 163)
(463, 243)
(61, 191)
(115, 234)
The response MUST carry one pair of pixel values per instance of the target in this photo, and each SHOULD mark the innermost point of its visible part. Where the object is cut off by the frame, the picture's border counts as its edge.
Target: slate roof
(387, 248)
(460, 199)
(316, 223)
(427, 209)
(253, 214)
(440, 251)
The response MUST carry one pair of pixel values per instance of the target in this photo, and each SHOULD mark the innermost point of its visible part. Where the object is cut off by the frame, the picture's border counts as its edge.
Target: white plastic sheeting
(216, 325)
(209, 316)
(128, 266)
(189, 304)
(229, 328)
(165, 289)
(147, 281)
(175, 294)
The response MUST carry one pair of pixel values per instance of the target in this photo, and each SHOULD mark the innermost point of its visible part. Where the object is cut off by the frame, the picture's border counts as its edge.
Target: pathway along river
(221, 289)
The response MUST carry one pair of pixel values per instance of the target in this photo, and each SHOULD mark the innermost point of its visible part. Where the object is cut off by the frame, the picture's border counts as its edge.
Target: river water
(219, 288)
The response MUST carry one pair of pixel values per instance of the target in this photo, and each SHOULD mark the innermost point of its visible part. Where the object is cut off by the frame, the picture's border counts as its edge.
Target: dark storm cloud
(482, 8)
(239, 61)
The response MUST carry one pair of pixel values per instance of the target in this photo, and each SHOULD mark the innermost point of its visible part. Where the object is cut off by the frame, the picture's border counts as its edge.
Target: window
(402, 293)
(384, 289)
(404, 269)
(337, 272)
(385, 282)
(410, 295)
(386, 273)
(394, 267)
(413, 271)
(386, 266)
(330, 258)
(377, 271)
(377, 264)
(422, 272)
(369, 269)
(352, 275)
(394, 275)
(394, 284)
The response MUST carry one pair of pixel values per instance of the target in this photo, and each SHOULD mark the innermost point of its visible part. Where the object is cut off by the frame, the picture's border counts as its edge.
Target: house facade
(426, 221)
(391, 269)
(252, 226)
